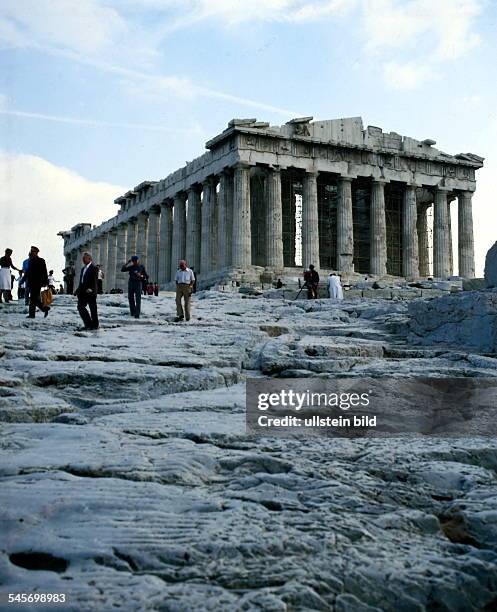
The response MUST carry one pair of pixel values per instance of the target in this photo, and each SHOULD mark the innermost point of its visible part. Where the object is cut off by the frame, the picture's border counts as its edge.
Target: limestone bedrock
(127, 480)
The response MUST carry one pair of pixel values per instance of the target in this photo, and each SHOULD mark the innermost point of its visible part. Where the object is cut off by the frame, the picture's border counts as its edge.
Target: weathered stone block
(491, 267)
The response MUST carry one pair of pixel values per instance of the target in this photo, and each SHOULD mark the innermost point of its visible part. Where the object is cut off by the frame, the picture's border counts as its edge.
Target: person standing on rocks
(100, 279)
(137, 274)
(5, 280)
(335, 291)
(314, 282)
(184, 288)
(37, 277)
(87, 293)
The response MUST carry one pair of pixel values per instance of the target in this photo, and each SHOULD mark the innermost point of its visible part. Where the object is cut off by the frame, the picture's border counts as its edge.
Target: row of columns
(212, 230)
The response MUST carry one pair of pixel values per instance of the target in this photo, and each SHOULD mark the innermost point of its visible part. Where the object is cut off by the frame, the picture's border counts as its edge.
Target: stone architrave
(441, 258)
(466, 246)
(178, 250)
(153, 244)
(193, 219)
(378, 230)
(165, 242)
(410, 255)
(310, 222)
(242, 235)
(274, 221)
(345, 227)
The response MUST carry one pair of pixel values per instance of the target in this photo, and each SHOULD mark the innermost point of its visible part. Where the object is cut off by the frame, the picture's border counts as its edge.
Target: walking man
(184, 288)
(137, 274)
(37, 277)
(87, 293)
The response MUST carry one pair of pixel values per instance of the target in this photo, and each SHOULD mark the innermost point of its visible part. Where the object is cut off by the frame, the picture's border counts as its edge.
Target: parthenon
(265, 201)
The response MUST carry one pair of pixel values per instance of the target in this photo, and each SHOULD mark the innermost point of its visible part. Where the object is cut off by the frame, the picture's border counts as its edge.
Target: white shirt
(335, 288)
(185, 276)
(51, 280)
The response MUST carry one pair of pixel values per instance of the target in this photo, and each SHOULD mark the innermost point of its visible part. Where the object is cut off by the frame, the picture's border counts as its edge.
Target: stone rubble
(127, 479)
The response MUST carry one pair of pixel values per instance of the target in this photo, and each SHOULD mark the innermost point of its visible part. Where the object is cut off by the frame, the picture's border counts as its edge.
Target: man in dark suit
(37, 277)
(87, 293)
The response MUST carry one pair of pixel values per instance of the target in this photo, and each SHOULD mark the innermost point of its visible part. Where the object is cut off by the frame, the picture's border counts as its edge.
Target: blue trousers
(135, 299)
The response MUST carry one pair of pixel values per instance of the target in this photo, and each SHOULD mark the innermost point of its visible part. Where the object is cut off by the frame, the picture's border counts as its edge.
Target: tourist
(145, 283)
(61, 289)
(314, 282)
(184, 288)
(21, 290)
(87, 293)
(335, 291)
(308, 283)
(51, 282)
(69, 274)
(37, 278)
(156, 289)
(100, 279)
(5, 280)
(137, 275)
(25, 265)
(279, 284)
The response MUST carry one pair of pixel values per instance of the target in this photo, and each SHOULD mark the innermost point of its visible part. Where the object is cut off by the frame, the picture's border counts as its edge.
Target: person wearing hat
(184, 288)
(37, 277)
(137, 274)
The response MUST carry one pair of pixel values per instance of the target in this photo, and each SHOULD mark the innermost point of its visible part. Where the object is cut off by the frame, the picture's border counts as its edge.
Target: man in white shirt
(184, 287)
(335, 290)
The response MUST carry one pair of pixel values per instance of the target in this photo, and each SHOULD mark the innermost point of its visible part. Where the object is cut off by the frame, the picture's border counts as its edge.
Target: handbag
(46, 297)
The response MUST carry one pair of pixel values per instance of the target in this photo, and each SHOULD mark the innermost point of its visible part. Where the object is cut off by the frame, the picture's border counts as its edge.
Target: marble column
(228, 204)
(178, 250)
(193, 229)
(378, 230)
(242, 236)
(222, 234)
(423, 242)
(206, 229)
(345, 227)
(165, 242)
(274, 221)
(142, 238)
(214, 224)
(95, 251)
(131, 241)
(122, 235)
(104, 259)
(310, 221)
(153, 244)
(450, 198)
(111, 259)
(466, 247)
(77, 266)
(410, 255)
(441, 259)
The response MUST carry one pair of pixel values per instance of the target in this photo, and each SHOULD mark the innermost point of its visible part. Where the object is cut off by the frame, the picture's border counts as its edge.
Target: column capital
(442, 188)
(142, 213)
(312, 172)
(380, 180)
(154, 210)
(346, 178)
(242, 165)
(180, 195)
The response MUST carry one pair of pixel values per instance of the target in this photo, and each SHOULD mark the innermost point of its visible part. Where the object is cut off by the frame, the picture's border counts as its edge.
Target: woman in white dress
(5, 279)
(335, 290)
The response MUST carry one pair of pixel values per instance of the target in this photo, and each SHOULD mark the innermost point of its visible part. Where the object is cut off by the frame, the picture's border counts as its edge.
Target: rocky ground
(127, 480)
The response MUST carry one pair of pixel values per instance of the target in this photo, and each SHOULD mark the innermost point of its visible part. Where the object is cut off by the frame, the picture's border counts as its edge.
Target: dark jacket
(37, 275)
(137, 274)
(88, 283)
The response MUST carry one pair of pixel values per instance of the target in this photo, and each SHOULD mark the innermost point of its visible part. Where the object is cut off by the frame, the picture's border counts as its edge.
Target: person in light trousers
(184, 287)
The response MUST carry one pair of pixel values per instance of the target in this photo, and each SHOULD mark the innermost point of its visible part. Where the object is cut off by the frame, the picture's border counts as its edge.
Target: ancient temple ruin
(265, 201)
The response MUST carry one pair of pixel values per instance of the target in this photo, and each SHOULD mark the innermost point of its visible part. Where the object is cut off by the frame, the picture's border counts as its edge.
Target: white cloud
(408, 75)
(38, 199)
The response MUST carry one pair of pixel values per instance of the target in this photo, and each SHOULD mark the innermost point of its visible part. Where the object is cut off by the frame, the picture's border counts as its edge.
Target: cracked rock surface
(127, 480)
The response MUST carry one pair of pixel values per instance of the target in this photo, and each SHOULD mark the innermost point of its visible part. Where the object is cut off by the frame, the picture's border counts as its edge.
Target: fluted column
(274, 221)
(112, 258)
(242, 235)
(450, 198)
(222, 234)
(410, 255)
(153, 244)
(214, 224)
(95, 251)
(378, 230)
(441, 259)
(142, 238)
(131, 241)
(193, 229)
(228, 204)
(423, 242)
(345, 227)
(206, 229)
(310, 222)
(122, 235)
(165, 242)
(466, 247)
(104, 252)
(179, 232)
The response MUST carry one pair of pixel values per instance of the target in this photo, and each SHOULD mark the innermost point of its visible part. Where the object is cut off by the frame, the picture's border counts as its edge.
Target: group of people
(311, 283)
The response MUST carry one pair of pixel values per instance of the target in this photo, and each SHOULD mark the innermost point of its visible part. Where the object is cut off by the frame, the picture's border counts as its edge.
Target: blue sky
(98, 95)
